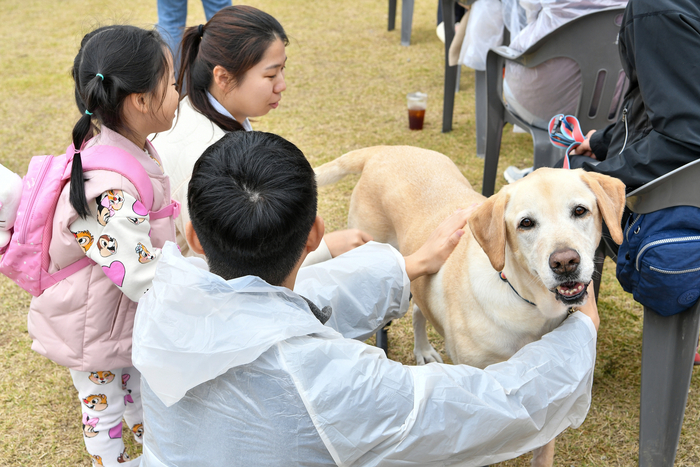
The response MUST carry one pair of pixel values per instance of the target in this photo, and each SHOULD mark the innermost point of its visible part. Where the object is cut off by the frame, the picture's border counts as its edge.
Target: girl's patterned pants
(105, 398)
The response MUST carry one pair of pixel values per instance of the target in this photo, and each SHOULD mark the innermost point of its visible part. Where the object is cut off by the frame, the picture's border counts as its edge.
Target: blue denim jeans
(172, 16)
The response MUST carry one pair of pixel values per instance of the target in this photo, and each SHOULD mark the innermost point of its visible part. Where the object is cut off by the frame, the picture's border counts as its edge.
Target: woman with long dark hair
(232, 69)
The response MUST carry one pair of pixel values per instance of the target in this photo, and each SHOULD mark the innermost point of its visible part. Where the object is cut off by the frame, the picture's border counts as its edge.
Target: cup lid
(417, 95)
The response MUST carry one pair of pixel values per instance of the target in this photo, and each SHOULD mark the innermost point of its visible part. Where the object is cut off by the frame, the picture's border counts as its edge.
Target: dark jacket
(659, 126)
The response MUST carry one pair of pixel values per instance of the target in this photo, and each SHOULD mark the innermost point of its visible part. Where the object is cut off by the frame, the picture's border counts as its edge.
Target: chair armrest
(677, 188)
(506, 52)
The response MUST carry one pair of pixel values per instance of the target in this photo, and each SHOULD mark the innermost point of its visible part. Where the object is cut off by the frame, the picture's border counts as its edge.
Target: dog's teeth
(570, 291)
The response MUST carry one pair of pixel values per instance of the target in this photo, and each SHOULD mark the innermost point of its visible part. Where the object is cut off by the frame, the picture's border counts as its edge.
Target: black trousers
(459, 12)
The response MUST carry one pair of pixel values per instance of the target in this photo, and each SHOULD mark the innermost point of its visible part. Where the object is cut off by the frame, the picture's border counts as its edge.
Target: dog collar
(503, 278)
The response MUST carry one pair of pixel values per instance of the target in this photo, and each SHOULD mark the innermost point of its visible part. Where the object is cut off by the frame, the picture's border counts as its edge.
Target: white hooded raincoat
(240, 372)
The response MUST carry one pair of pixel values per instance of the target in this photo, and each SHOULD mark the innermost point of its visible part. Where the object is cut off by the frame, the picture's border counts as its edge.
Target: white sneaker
(513, 174)
(440, 31)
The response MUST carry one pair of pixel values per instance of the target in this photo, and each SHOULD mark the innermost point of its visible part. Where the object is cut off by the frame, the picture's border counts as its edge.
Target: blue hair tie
(101, 76)
(87, 112)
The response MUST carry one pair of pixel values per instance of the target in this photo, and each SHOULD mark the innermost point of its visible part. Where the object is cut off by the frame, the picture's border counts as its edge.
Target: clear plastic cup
(417, 103)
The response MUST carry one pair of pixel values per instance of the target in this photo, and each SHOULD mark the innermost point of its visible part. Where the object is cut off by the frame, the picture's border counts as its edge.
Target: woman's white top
(179, 149)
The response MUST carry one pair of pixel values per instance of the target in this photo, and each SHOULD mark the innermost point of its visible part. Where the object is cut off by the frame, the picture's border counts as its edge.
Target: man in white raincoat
(238, 369)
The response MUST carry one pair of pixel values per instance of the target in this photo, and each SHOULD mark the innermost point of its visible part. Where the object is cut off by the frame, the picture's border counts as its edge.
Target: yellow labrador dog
(526, 258)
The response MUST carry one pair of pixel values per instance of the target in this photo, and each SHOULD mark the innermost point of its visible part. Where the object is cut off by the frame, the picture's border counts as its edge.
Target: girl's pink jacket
(85, 322)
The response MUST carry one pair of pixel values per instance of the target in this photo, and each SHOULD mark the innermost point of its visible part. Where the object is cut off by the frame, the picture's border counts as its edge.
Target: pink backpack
(25, 259)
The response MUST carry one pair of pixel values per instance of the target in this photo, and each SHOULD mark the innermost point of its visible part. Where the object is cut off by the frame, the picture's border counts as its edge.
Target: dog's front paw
(427, 355)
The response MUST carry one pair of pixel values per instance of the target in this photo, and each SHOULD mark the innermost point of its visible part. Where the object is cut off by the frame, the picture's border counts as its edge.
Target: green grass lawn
(347, 78)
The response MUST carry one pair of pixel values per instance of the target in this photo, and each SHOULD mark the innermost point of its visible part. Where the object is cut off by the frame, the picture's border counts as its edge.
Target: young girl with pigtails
(125, 87)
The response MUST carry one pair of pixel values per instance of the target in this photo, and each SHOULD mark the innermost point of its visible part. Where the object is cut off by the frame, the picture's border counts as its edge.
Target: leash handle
(565, 132)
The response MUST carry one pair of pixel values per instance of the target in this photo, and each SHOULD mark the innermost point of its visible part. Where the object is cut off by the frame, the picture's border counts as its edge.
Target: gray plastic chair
(382, 337)
(668, 342)
(452, 73)
(406, 19)
(591, 41)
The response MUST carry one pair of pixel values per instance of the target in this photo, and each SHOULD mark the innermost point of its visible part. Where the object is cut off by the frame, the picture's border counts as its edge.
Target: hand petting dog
(437, 248)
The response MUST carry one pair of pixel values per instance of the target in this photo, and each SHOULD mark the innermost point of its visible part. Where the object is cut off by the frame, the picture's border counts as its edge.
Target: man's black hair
(252, 202)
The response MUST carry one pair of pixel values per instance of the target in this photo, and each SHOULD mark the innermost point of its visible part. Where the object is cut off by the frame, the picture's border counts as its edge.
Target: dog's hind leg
(422, 349)
(544, 456)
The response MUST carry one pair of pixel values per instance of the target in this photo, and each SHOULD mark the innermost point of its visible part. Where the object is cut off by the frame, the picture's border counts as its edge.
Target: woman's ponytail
(189, 47)
(81, 131)
(196, 71)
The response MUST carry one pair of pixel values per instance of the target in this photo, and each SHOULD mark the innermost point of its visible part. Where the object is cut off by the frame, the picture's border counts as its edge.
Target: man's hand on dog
(590, 308)
(341, 241)
(432, 255)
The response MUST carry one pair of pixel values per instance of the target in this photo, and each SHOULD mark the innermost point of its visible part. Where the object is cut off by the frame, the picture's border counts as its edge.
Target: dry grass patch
(347, 79)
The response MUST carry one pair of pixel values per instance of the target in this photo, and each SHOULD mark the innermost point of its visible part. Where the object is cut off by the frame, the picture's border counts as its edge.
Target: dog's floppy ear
(488, 225)
(610, 197)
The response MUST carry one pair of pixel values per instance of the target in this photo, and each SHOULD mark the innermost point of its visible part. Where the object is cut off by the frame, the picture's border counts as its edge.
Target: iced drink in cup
(417, 102)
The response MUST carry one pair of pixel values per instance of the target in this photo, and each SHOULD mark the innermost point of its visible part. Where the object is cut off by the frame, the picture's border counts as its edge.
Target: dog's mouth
(570, 292)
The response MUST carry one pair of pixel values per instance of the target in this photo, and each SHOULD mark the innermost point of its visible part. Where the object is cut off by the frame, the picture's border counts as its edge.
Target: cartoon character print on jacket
(101, 377)
(145, 256)
(116, 431)
(107, 203)
(97, 402)
(127, 398)
(116, 272)
(107, 245)
(84, 239)
(138, 430)
(139, 209)
(96, 461)
(136, 220)
(89, 426)
(123, 457)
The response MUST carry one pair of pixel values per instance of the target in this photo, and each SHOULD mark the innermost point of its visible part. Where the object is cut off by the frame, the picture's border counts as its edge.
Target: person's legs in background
(212, 6)
(172, 19)
(172, 16)
(459, 13)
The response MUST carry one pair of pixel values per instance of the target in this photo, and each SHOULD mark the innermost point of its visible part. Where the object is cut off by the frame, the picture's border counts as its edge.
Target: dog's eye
(526, 223)
(580, 211)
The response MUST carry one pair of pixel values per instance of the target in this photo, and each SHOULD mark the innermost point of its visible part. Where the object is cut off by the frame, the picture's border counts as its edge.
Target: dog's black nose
(564, 261)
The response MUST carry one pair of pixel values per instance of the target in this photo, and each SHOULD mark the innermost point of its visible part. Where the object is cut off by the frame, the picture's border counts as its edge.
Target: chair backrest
(677, 188)
(591, 41)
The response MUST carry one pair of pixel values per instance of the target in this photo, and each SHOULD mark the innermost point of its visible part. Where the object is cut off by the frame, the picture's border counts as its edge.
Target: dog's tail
(350, 163)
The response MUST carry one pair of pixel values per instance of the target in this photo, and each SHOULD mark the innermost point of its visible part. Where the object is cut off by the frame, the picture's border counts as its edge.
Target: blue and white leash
(565, 132)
